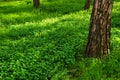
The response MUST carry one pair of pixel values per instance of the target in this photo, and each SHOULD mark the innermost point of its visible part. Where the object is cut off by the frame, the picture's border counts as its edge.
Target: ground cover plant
(48, 43)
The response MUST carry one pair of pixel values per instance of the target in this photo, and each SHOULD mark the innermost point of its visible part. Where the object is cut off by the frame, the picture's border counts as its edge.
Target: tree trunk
(100, 26)
(36, 3)
(87, 4)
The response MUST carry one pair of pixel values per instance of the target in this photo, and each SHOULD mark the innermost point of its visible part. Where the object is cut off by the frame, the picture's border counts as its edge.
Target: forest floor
(48, 43)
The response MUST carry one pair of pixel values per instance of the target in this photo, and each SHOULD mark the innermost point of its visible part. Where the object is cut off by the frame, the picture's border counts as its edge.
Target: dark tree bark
(36, 3)
(100, 26)
(87, 4)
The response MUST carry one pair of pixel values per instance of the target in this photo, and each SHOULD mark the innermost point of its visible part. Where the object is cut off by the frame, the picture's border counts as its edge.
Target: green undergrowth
(48, 43)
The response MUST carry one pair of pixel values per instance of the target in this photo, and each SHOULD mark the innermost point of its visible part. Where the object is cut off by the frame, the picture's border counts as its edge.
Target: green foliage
(48, 43)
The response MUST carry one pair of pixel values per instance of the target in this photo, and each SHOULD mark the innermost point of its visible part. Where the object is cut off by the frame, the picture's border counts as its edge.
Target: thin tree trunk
(100, 26)
(36, 3)
(87, 4)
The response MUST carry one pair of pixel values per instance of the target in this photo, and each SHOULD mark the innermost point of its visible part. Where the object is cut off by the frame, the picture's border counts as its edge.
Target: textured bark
(87, 4)
(36, 3)
(100, 26)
